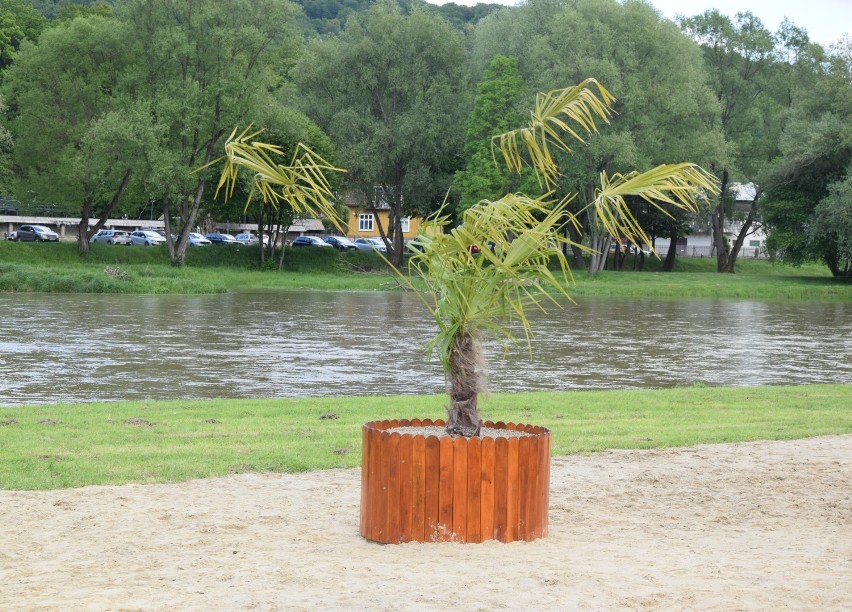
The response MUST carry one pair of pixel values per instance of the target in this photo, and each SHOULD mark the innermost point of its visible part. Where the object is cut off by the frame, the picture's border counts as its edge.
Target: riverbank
(743, 526)
(73, 445)
(30, 267)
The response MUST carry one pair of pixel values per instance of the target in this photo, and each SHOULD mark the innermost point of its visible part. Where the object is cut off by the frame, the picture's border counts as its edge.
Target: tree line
(113, 108)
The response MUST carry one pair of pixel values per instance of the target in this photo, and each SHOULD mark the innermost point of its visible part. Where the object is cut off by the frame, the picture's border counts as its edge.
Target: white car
(195, 240)
(111, 236)
(146, 238)
(247, 239)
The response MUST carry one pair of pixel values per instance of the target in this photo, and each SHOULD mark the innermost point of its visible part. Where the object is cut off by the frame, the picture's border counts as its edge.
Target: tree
(7, 145)
(18, 22)
(386, 91)
(471, 293)
(495, 110)
(663, 101)
(752, 84)
(205, 66)
(807, 190)
(80, 133)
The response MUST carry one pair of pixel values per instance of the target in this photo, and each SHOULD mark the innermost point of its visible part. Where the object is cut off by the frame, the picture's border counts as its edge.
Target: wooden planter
(416, 488)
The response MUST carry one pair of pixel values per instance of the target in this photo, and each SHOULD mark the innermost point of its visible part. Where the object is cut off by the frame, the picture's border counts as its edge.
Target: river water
(82, 348)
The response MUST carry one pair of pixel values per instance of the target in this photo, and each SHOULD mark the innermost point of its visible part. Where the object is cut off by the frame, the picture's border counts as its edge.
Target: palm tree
(507, 256)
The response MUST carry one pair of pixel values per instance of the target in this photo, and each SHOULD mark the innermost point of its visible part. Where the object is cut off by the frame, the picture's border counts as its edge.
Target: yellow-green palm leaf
(681, 186)
(571, 111)
(302, 184)
(469, 292)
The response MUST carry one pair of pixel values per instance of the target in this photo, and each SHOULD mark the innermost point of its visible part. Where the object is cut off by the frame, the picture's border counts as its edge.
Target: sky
(825, 20)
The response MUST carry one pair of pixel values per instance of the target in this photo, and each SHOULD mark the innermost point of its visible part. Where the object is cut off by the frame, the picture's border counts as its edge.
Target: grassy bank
(56, 446)
(110, 269)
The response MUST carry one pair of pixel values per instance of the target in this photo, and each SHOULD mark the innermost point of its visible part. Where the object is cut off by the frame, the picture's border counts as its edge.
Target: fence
(748, 252)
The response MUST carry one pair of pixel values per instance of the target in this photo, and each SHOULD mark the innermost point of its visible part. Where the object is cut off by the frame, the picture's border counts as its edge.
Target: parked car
(111, 236)
(12, 236)
(371, 244)
(222, 239)
(341, 243)
(198, 240)
(309, 241)
(146, 238)
(36, 233)
(247, 239)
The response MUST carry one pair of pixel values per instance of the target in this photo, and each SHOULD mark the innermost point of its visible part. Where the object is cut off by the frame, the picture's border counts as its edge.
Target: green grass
(58, 268)
(57, 446)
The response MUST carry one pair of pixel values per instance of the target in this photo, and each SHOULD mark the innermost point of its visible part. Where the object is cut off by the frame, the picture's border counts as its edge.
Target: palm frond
(303, 184)
(483, 289)
(681, 186)
(554, 114)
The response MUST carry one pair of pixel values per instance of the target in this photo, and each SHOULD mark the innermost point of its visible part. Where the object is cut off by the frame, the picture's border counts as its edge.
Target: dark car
(341, 243)
(309, 241)
(36, 233)
(222, 239)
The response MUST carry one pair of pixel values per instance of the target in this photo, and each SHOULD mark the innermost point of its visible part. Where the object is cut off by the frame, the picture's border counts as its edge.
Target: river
(84, 348)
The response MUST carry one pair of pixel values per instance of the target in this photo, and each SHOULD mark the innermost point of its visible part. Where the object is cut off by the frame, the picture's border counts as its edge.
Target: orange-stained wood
(445, 492)
(474, 490)
(431, 502)
(546, 484)
(512, 491)
(417, 528)
(526, 485)
(406, 488)
(501, 488)
(460, 488)
(380, 488)
(365, 480)
(487, 490)
(437, 489)
(392, 532)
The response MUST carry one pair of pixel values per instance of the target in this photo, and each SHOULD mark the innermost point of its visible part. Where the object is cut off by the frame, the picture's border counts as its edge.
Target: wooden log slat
(546, 485)
(380, 491)
(474, 491)
(536, 492)
(392, 531)
(501, 486)
(460, 489)
(417, 527)
(487, 490)
(432, 508)
(445, 492)
(525, 486)
(512, 491)
(406, 488)
(365, 481)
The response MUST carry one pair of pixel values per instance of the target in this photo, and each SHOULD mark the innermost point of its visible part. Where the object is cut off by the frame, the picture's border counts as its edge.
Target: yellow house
(364, 222)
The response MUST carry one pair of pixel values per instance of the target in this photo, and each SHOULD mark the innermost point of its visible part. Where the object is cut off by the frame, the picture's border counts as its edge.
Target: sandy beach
(750, 526)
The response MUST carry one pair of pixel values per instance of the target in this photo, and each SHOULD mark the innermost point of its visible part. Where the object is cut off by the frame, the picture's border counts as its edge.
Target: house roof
(306, 225)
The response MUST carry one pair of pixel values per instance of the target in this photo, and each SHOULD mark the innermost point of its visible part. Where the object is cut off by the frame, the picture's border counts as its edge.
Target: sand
(751, 526)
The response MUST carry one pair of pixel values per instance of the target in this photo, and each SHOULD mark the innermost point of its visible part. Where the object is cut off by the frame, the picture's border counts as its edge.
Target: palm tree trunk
(467, 380)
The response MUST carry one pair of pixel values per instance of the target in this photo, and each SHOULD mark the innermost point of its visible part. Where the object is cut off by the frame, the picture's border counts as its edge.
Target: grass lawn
(57, 446)
(110, 269)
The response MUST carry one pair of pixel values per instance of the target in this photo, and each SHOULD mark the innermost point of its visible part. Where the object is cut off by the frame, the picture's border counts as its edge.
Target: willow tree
(486, 273)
